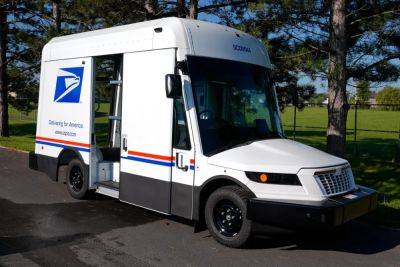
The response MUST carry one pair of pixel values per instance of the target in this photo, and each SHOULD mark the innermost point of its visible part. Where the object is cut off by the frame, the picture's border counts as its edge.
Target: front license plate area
(356, 209)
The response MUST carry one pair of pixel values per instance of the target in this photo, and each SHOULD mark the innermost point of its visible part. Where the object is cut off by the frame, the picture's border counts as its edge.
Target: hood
(274, 155)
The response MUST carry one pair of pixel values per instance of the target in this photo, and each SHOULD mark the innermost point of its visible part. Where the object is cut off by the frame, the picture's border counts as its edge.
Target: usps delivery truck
(179, 116)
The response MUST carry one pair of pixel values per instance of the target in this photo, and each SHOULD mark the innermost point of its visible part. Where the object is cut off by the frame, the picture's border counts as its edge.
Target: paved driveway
(40, 224)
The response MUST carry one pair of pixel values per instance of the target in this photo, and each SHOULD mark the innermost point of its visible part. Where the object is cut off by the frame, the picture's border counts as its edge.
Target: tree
(180, 8)
(56, 15)
(151, 7)
(86, 15)
(363, 92)
(24, 44)
(389, 96)
(318, 98)
(337, 97)
(265, 23)
(339, 41)
(23, 32)
(4, 132)
(193, 9)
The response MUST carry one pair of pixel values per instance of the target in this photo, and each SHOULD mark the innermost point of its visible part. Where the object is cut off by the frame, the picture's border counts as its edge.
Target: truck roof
(193, 36)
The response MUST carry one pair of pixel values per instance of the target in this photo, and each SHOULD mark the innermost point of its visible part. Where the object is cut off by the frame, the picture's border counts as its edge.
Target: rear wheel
(226, 216)
(77, 179)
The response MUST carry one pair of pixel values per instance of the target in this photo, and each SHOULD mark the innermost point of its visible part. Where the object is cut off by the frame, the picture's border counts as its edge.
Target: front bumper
(332, 212)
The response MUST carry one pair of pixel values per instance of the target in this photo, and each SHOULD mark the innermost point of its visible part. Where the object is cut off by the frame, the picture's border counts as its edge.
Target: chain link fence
(363, 120)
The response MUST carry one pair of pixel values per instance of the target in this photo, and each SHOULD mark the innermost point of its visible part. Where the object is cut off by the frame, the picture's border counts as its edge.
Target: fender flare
(77, 155)
(215, 182)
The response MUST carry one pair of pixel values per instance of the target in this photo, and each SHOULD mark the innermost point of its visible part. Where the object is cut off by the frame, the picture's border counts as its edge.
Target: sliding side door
(147, 116)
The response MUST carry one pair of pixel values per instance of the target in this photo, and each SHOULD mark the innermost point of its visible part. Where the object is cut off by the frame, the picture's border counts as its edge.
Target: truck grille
(335, 181)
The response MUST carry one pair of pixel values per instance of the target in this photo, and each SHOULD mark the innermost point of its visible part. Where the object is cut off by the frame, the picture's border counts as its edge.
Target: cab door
(184, 162)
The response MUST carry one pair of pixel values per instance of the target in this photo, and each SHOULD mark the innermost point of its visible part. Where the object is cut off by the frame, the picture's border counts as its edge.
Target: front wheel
(226, 216)
(77, 179)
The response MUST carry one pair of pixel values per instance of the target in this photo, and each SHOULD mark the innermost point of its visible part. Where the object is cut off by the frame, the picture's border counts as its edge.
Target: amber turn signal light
(273, 178)
(263, 178)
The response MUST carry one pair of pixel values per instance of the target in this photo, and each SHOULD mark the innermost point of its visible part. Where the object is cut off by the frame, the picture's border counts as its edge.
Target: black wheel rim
(227, 218)
(76, 179)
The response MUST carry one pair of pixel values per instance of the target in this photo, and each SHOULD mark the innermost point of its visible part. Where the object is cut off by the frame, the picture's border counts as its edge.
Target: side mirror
(173, 86)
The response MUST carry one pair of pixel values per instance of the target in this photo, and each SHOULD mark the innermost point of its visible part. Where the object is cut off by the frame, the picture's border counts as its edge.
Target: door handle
(124, 144)
(179, 162)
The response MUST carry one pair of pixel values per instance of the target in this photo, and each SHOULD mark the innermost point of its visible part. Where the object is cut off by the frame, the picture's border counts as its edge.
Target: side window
(181, 139)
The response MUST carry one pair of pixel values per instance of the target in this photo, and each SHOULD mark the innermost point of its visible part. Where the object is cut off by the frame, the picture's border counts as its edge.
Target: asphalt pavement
(41, 225)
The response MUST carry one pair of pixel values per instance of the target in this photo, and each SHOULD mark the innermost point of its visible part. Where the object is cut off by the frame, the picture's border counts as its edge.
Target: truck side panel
(64, 115)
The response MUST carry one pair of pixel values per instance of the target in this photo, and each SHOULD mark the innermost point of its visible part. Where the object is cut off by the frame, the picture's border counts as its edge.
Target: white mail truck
(180, 117)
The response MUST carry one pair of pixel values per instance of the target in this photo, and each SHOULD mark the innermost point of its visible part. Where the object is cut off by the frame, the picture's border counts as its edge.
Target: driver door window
(181, 139)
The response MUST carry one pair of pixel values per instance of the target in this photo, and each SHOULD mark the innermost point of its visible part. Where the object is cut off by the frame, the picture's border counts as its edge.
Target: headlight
(273, 178)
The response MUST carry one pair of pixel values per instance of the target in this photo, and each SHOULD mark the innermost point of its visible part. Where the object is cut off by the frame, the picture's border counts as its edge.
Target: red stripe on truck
(148, 155)
(41, 138)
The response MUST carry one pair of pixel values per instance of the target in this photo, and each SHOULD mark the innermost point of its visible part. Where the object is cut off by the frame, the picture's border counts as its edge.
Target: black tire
(77, 179)
(226, 216)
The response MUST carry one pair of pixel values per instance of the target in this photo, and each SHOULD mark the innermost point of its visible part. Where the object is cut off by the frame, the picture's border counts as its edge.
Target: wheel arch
(66, 155)
(202, 193)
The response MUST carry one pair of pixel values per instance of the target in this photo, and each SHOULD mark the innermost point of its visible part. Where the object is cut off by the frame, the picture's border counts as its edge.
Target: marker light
(263, 178)
(273, 178)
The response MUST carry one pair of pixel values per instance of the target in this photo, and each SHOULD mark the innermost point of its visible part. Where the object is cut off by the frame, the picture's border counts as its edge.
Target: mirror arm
(182, 66)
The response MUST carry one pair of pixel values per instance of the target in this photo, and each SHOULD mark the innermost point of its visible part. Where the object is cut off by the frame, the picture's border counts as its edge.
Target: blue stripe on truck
(62, 146)
(156, 162)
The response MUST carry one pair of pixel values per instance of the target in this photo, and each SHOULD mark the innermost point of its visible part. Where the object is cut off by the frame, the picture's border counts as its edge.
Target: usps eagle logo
(69, 85)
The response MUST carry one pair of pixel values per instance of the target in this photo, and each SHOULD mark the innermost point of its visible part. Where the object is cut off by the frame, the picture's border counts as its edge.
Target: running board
(108, 188)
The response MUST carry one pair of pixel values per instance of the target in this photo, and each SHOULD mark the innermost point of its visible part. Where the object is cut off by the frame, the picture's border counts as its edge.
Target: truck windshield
(235, 103)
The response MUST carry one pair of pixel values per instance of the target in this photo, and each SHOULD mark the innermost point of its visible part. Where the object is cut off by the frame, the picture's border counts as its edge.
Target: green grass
(371, 157)
(22, 131)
